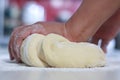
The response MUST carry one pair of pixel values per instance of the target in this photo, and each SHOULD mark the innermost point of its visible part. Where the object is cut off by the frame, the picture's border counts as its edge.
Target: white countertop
(9, 70)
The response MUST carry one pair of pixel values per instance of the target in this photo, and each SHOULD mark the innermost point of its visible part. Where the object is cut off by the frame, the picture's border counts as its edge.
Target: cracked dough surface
(56, 51)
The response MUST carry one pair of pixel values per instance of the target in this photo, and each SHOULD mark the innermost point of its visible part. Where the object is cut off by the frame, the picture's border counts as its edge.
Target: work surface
(9, 70)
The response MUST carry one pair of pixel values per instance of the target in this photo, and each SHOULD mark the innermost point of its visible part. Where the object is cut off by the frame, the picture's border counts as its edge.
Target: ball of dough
(56, 51)
(30, 49)
(59, 52)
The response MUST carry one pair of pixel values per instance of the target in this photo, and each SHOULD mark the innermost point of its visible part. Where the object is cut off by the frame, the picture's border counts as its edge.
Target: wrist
(72, 33)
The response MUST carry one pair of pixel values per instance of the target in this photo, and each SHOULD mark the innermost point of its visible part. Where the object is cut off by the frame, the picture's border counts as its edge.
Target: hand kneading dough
(30, 50)
(57, 51)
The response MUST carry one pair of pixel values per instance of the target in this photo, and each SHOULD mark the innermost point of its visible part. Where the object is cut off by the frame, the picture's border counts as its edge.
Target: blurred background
(14, 13)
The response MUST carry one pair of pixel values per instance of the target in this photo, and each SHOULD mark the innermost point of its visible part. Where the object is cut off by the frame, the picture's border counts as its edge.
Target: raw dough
(57, 51)
(30, 50)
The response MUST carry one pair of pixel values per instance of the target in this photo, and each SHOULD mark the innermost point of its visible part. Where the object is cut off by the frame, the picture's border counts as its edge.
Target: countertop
(10, 70)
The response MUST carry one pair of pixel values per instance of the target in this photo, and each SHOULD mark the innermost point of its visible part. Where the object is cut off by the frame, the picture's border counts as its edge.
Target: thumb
(104, 45)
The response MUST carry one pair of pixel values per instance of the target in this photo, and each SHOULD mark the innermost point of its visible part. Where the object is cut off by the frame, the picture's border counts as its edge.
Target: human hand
(20, 33)
(108, 31)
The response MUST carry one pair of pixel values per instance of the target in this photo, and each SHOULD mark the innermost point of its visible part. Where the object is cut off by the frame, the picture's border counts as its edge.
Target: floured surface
(9, 69)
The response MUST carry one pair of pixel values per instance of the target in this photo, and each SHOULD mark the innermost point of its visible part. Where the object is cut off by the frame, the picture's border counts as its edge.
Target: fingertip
(18, 59)
(104, 45)
(10, 51)
(11, 57)
(105, 50)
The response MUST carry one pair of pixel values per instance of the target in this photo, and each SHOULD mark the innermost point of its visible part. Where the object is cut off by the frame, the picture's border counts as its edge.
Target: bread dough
(57, 51)
(44, 47)
(30, 49)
